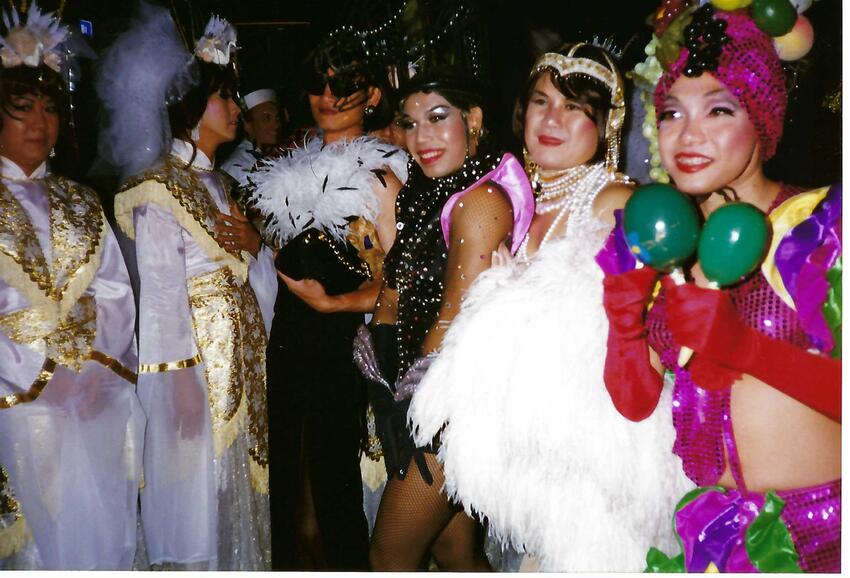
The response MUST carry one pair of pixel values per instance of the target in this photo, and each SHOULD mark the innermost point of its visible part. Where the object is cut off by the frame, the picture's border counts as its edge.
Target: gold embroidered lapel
(77, 228)
(182, 192)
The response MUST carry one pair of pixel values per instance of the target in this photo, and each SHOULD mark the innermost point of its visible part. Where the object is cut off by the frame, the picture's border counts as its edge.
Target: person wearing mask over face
(328, 205)
(71, 427)
(261, 121)
(205, 306)
(757, 408)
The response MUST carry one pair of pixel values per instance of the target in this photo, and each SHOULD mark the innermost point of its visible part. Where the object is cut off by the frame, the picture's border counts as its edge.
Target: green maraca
(661, 226)
(732, 245)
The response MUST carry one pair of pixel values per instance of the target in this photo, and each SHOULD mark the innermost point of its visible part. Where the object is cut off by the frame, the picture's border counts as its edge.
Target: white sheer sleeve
(19, 366)
(165, 322)
(263, 279)
(116, 309)
(178, 498)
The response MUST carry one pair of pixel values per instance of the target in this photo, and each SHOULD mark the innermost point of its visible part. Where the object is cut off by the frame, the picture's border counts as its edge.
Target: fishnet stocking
(414, 517)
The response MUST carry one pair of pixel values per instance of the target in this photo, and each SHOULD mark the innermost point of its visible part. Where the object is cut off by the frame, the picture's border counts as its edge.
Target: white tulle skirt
(530, 438)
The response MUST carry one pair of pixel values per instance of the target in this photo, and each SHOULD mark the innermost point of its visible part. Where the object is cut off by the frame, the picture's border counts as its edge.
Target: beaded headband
(566, 65)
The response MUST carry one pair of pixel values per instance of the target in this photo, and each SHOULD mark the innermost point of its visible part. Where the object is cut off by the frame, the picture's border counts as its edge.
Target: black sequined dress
(415, 266)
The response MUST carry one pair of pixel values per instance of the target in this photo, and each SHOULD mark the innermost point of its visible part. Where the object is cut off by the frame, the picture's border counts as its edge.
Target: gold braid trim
(372, 472)
(16, 277)
(170, 365)
(35, 389)
(151, 191)
(15, 537)
(113, 364)
(259, 477)
(224, 437)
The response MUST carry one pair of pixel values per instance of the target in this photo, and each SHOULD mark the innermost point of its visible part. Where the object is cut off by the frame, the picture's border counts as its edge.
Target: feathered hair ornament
(218, 41)
(33, 43)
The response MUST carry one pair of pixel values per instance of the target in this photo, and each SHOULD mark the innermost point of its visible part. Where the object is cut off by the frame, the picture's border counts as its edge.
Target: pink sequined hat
(750, 68)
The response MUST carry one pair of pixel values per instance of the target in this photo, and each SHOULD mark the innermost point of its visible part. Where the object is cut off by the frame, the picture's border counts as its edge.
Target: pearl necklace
(571, 193)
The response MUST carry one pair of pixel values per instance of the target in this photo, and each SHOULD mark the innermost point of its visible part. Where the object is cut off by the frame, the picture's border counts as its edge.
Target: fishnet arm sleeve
(481, 220)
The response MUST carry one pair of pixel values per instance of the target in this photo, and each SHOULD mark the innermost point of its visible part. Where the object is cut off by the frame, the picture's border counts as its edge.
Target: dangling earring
(196, 132)
(532, 169)
(370, 110)
(52, 152)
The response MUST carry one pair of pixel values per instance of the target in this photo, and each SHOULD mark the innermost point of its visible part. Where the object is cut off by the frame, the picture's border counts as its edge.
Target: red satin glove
(706, 321)
(631, 381)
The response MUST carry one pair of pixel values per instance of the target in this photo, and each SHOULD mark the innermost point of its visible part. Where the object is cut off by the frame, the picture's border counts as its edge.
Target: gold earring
(532, 169)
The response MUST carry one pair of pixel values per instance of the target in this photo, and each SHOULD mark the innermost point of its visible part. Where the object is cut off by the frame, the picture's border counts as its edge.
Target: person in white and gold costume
(70, 423)
(205, 306)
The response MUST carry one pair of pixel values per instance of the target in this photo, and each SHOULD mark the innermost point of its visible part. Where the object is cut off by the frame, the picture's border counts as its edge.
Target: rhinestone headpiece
(566, 65)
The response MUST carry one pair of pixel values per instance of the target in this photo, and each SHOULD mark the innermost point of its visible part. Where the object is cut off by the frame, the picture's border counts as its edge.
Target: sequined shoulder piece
(171, 184)
(77, 227)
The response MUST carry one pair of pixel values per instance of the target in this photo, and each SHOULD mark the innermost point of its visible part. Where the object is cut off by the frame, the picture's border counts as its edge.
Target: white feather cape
(531, 438)
(320, 186)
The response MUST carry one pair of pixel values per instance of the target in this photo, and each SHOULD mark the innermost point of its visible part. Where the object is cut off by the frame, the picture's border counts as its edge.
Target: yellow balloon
(731, 4)
(797, 43)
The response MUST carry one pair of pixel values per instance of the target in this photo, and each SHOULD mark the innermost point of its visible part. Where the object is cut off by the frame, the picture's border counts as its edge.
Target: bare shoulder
(609, 199)
(484, 207)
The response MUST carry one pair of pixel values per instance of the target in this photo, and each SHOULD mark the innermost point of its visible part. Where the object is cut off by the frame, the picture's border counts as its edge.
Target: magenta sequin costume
(703, 424)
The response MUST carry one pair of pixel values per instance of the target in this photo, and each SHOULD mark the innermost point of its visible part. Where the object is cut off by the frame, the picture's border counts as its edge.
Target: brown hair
(580, 88)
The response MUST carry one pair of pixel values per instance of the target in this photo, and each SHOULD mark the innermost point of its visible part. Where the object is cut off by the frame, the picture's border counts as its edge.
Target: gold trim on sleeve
(35, 389)
(116, 366)
(169, 366)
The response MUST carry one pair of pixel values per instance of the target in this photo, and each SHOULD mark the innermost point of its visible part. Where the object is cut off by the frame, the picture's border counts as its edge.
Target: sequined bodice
(698, 413)
(419, 276)
(415, 265)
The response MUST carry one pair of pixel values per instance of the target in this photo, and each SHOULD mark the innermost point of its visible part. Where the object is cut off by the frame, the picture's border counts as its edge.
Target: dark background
(275, 36)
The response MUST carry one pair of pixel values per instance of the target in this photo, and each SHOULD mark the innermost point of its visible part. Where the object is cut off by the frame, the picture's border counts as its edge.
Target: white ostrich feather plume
(321, 187)
(32, 43)
(530, 438)
(218, 41)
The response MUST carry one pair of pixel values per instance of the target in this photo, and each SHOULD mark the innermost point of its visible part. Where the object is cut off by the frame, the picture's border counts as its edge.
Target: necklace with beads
(570, 192)
(415, 265)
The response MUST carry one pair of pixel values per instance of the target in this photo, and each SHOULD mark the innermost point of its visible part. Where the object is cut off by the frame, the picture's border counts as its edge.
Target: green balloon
(661, 226)
(733, 242)
(774, 17)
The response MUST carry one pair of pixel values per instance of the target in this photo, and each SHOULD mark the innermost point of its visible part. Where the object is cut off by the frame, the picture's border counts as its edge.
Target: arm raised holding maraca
(661, 229)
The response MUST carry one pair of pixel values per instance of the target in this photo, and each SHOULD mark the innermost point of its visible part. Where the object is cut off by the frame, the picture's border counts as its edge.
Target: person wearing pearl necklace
(530, 438)
(206, 300)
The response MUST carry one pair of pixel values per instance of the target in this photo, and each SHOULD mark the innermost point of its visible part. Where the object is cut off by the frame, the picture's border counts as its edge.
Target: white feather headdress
(33, 43)
(218, 41)
(147, 68)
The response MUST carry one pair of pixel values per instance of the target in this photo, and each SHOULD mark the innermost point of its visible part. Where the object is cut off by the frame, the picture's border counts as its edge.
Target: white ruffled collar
(183, 150)
(11, 171)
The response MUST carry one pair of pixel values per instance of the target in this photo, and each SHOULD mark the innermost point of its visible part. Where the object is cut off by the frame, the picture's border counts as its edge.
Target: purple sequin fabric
(812, 514)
